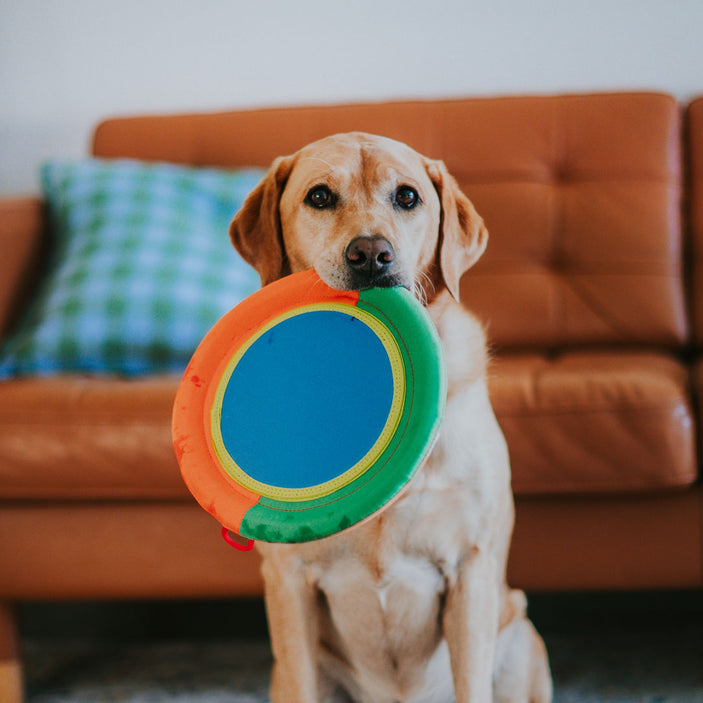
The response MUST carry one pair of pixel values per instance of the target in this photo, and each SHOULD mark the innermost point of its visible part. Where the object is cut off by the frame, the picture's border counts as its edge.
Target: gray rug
(645, 655)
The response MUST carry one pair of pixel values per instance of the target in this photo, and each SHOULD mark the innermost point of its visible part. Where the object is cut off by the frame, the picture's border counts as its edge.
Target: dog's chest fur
(381, 585)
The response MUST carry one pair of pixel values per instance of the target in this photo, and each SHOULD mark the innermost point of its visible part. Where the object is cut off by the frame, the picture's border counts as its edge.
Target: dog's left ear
(462, 233)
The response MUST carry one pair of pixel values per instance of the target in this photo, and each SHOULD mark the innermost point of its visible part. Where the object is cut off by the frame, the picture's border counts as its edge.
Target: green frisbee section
(272, 520)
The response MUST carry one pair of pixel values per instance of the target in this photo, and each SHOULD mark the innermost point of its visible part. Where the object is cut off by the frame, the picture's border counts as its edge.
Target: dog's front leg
(470, 623)
(293, 627)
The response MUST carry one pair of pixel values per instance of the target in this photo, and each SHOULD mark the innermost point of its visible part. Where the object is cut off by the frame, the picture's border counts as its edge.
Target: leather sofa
(592, 291)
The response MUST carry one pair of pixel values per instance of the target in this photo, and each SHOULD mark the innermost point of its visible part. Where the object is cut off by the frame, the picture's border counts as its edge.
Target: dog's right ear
(255, 230)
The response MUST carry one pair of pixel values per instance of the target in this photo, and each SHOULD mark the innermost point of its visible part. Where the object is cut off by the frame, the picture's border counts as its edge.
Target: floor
(619, 648)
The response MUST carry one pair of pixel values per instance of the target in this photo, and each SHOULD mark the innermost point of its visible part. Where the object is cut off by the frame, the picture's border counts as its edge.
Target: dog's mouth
(346, 281)
(386, 280)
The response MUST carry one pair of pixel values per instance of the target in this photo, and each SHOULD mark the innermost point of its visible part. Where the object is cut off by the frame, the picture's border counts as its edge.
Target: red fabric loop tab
(237, 541)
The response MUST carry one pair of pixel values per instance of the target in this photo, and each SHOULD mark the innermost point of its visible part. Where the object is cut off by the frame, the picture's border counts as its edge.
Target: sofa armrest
(22, 242)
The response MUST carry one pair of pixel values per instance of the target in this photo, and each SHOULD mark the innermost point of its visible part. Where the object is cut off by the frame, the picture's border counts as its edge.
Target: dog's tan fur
(413, 605)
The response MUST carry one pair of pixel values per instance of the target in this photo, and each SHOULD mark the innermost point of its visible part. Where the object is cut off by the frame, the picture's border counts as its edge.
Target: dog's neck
(463, 341)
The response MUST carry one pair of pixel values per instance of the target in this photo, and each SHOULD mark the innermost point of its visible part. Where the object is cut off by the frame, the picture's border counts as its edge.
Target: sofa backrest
(581, 195)
(694, 140)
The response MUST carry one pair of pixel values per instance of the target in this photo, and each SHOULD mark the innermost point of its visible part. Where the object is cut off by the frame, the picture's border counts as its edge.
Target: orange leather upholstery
(694, 139)
(95, 432)
(118, 549)
(22, 236)
(582, 204)
(585, 292)
(595, 422)
(581, 543)
(88, 438)
(168, 549)
(580, 194)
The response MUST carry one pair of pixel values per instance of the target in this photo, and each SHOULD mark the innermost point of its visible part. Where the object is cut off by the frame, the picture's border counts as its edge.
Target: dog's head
(362, 211)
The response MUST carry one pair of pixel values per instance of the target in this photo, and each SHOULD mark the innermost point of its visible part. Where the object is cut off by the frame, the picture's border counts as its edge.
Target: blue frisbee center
(307, 400)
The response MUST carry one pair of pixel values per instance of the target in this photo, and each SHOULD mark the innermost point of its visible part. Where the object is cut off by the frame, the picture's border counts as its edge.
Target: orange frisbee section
(216, 492)
(222, 498)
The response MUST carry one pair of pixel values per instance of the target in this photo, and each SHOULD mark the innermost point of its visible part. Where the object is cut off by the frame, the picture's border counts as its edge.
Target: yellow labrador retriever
(411, 606)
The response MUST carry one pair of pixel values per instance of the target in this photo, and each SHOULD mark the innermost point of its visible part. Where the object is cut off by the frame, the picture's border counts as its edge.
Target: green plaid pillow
(141, 268)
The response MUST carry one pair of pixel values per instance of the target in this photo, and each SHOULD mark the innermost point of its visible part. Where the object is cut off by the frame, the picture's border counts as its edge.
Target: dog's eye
(320, 197)
(406, 197)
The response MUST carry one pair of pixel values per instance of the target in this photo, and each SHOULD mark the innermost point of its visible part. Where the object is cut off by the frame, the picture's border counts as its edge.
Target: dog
(411, 606)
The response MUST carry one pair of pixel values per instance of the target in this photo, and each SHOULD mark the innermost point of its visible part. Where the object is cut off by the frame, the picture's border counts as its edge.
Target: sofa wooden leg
(10, 665)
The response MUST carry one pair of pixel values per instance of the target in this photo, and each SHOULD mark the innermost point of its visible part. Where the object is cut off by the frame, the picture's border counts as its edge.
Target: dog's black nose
(370, 257)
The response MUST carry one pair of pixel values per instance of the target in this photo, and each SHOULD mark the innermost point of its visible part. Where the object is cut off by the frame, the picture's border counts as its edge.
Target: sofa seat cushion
(595, 422)
(76, 437)
(598, 423)
(697, 383)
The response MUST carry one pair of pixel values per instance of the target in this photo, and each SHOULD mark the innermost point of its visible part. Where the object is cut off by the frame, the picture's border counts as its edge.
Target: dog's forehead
(360, 153)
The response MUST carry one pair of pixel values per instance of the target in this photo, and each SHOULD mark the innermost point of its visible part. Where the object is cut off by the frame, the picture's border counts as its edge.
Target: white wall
(65, 64)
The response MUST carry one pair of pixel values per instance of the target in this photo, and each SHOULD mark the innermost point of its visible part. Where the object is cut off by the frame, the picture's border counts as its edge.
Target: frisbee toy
(306, 410)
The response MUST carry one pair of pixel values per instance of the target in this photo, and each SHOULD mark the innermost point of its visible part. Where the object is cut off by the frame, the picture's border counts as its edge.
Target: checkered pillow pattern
(141, 267)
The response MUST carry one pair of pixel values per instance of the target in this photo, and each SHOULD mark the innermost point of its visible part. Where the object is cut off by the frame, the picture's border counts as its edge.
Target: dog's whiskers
(422, 283)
